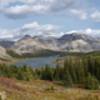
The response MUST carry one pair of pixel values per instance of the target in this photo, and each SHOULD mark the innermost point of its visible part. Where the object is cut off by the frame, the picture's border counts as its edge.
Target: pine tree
(91, 82)
(47, 73)
(67, 79)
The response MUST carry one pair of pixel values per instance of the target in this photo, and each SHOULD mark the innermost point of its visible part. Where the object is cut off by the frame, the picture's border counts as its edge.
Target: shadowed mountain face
(6, 44)
(75, 42)
(75, 36)
(79, 43)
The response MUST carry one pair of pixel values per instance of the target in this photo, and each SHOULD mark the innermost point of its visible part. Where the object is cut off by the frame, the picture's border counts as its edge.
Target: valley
(53, 83)
(49, 49)
(50, 68)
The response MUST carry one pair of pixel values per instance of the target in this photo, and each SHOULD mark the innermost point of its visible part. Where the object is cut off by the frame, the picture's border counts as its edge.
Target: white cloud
(4, 33)
(33, 28)
(92, 31)
(39, 29)
(24, 9)
(96, 16)
(33, 25)
(38, 26)
(79, 13)
(87, 31)
(83, 15)
(17, 10)
(6, 1)
(33, 6)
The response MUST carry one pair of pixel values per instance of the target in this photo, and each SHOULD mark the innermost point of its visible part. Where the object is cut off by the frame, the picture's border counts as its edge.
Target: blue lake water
(38, 61)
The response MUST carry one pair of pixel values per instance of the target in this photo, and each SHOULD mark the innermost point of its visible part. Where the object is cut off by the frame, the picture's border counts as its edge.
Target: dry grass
(42, 90)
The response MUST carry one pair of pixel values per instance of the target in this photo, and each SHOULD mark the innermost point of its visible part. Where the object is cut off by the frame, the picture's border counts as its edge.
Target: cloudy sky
(48, 17)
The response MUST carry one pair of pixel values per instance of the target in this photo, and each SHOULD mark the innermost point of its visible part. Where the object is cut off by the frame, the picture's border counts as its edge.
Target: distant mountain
(6, 43)
(75, 42)
(25, 37)
(35, 44)
(75, 36)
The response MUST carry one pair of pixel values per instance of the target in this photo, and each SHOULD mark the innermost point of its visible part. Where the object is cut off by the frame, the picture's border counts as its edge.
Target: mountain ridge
(74, 42)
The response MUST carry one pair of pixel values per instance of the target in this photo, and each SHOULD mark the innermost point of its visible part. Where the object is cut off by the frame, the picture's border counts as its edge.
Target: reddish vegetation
(10, 83)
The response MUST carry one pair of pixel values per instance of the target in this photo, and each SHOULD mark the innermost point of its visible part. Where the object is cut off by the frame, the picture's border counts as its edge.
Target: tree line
(76, 71)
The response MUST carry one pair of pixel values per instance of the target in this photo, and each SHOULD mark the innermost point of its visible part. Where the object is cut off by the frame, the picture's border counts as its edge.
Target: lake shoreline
(35, 61)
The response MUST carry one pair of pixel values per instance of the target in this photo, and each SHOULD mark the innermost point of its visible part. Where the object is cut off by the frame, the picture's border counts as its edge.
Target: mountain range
(74, 42)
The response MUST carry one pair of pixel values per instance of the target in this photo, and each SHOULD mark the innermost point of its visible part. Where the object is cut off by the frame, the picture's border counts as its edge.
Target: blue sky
(48, 17)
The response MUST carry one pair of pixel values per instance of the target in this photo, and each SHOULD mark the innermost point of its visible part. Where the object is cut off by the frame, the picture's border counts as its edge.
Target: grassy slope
(42, 90)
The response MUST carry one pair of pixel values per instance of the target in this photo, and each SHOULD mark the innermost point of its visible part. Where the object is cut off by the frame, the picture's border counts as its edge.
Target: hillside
(11, 89)
(4, 56)
(64, 82)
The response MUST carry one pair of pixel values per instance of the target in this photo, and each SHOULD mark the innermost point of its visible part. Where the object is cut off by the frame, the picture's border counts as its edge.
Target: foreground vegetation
(11, 89)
